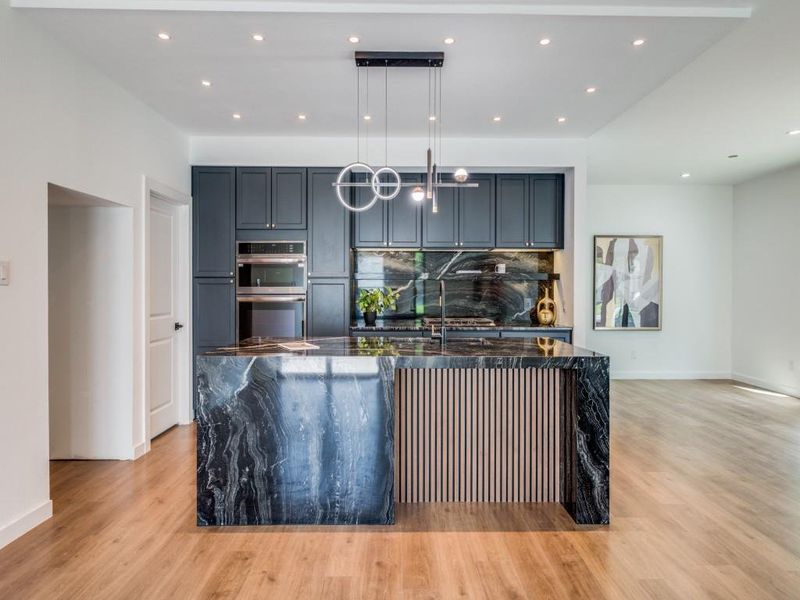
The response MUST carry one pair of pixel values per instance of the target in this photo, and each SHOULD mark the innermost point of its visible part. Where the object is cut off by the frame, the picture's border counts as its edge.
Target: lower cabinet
(461, 333)
(328, 308)
(563, 335)
(214, 312)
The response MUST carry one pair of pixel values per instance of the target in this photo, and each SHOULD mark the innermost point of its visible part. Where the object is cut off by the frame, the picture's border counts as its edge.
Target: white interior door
(163, 347)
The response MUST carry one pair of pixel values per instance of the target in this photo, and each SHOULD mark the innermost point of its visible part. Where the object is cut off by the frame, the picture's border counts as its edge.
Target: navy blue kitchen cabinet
(213, 219)
(476, 213)
(546, 216)
(465, 219)
(270, 198)
(440, 229)
(530, 211)
(370, 225)
(395, 223)
(329, 227)
(512, 211)
(328, 309)
(214, 312)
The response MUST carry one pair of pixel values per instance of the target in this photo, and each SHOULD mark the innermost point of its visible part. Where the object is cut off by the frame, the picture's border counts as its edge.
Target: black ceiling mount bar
(399, 59)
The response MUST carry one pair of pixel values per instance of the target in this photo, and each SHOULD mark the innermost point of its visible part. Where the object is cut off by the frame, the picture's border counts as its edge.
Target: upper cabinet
(465, 218)
(288, 198)
(329, 227)
(530, 211)
(213, 219)
(270, 198)
(395, 223)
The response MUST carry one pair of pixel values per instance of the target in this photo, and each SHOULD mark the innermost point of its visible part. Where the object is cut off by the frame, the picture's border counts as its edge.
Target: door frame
(183, 202)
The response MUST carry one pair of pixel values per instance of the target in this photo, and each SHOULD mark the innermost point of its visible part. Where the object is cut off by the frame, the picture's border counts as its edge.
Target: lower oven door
(270, 316)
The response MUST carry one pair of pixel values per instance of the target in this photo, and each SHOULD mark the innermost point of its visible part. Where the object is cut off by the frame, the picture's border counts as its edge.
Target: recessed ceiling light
(449, 40)
(237, 116)
(562, 119)
(432, 118)
(258, 37)
(639, 42)
(544, 42)
(686, 175)
(353, 39)
(497, 118)
(163, 36)
(206, 83)
(302, 117)
(793, 132)
(591, 90)
(368, 117)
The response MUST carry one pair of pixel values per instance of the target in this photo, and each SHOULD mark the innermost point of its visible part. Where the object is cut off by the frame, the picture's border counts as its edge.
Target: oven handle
(272, 260)
(270, 298)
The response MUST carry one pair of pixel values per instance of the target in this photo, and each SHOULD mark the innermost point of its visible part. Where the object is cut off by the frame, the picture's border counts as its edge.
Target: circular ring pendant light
(376, 183)
(339, 186)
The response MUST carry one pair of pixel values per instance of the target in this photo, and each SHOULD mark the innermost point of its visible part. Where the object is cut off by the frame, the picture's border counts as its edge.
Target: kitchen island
(340, 431)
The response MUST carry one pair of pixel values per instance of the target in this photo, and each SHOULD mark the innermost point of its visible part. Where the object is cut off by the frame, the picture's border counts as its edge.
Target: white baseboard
(767, 385)
(670, 374)
(21, 525)
(139, 450)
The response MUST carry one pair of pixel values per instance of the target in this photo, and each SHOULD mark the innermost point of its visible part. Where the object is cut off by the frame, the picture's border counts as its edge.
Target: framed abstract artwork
(628, 282)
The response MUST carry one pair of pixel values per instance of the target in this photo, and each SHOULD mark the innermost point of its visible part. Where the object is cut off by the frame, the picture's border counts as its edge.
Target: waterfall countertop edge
(350, 347)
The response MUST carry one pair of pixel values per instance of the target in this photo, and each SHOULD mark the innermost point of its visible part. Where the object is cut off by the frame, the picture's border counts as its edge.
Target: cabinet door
(213, 221)
(476, 213)
(512, 211)
(328, 307)
(253, 202)
(329, 223)
(214, 312)
(405, 217)
(370, 225)
(546, 219)
(288, 198)
(440, 230)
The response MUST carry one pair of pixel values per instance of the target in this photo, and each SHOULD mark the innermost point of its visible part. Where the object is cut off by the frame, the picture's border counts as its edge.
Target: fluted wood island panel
(478, 435)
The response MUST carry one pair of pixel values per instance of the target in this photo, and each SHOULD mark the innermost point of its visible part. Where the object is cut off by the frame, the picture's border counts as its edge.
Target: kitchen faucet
(442, 326)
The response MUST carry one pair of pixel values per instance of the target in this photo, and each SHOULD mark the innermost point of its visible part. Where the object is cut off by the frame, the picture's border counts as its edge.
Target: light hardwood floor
(705, 504)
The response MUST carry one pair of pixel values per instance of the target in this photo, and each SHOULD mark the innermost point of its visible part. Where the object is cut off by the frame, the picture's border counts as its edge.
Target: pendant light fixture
(385, 182)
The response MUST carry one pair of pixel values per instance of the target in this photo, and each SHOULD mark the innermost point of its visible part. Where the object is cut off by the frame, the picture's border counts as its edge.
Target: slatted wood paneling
(477, 435)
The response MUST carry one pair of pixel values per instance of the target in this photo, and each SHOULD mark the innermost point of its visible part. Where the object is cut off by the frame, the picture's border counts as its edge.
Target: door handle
(178, 326)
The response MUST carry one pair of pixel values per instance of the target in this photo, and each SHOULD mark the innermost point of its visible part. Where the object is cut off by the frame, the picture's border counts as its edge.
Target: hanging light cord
(386, 115)
(358, 114)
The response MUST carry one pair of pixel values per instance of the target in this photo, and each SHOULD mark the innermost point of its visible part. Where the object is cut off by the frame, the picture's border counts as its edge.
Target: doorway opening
(91, 325)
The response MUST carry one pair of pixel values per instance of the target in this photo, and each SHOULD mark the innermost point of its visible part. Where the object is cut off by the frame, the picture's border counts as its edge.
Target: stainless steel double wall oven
(271, 287)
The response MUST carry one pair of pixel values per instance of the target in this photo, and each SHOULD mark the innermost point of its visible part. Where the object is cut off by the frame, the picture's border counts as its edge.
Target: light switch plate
(5, 268)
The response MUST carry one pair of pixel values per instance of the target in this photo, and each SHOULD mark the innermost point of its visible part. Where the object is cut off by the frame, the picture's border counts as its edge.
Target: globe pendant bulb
(418, 194)
(461, 175)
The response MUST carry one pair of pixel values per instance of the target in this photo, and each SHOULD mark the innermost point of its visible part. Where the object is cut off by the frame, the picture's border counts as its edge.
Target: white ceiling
(741, 97)
(305, 65)
(703, 87)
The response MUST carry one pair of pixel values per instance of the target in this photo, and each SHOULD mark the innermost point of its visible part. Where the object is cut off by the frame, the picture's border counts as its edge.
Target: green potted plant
(373, 301)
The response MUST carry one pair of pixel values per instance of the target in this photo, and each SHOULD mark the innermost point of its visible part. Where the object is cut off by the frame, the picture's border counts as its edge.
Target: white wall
(766, 282)
(522, 155)
(62, 122)
(91, 332)
(696, 222)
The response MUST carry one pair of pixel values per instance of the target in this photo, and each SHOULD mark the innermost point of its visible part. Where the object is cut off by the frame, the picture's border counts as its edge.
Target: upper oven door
(271, 275)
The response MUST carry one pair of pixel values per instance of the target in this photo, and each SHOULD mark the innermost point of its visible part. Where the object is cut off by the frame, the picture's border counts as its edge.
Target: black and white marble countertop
(411, 347)
(416, 325)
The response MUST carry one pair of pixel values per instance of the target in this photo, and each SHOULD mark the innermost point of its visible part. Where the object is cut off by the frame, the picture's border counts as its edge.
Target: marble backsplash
(473, 287)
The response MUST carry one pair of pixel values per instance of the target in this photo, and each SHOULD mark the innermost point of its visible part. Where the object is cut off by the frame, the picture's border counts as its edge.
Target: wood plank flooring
(705, 504)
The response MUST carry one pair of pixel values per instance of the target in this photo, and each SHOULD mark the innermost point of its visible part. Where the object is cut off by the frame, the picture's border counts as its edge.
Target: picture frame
(628, 282)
